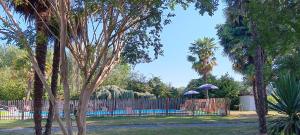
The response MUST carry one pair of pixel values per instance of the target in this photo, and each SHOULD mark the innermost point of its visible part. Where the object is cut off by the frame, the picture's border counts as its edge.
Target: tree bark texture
(82, 108)
(40, 52)
(54, 81)
(259, 81)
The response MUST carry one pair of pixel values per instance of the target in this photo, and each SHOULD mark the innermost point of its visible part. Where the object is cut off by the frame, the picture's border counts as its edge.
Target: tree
(288, 63)
(127, 30)
(138, 83)
(269, 40)
(236, 35)
(159, 89)
(128, 27)
(119, 76)
(39, 12)
(202, 57)
(228, 88)
(248, 23)
(15, 73)
(195, 83)
(14, 33)
(54, 81)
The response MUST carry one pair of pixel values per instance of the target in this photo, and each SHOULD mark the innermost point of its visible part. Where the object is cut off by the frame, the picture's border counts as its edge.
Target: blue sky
(186, 27)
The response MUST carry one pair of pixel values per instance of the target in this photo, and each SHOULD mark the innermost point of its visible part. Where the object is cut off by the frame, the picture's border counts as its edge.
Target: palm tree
(239, 37)
(202, 57)
(54, 81)
(38, 11)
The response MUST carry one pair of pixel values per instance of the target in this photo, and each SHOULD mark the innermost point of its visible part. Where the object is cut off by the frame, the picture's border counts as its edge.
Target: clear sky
(186, 27)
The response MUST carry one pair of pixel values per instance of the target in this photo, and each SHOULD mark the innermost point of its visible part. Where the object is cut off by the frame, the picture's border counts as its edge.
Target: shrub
(111, 92)
(287, 102)
(144, 95)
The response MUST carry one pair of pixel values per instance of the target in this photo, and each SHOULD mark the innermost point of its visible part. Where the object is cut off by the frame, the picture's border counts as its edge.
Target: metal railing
(20, 109)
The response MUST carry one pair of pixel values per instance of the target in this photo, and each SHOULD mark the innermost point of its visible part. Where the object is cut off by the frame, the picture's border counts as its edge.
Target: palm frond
(287, 97)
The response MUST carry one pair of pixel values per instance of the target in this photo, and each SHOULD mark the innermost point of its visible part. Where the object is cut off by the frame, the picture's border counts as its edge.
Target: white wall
(247, 103)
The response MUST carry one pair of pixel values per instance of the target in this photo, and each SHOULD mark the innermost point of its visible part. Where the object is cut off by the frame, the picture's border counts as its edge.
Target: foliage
(159, 89)
(14, 66)
(228, 88)
(195, 83)
(144, 95)
(287, 97)
(271, 99)
(138, 83)
(288, 63)
(202, 56)
(129, 28)
(114, 92)
(119, 76)
(246, 88)
(12, 87)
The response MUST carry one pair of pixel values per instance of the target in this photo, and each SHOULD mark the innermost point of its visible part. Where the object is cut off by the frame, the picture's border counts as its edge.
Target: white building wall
(247, 103)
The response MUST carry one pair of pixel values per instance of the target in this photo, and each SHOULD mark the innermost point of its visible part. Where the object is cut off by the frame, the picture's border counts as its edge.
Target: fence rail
(21, 109)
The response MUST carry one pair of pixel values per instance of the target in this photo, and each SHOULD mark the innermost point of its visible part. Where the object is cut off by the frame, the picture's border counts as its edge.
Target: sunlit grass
(137, 120)
(242, 130)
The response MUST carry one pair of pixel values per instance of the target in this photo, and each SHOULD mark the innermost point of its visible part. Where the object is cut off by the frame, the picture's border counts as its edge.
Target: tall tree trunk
(255, 93)
(64, 64)
(40, 51)
(54, 79)
(41, 16)
(205, 81)
(261, 112)
(259, 81)
(265, 96)
(82, 108)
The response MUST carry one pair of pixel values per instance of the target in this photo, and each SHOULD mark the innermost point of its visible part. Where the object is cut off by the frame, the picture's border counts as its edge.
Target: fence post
(23, 107)
(140, 106)
(167, 106)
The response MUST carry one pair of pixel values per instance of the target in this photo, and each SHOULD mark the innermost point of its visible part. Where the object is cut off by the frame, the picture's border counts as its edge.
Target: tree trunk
(205, 81)
(255, 93)
(40, 52)
(261, 112)
(82, 108)
(63, 65)
(54, 79)
(265, 96)
(29, 84)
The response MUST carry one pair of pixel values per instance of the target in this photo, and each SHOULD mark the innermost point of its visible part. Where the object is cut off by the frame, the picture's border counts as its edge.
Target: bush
(144, 95)
(111, 92)
(12, 90)
(286, 101)
(11, 87)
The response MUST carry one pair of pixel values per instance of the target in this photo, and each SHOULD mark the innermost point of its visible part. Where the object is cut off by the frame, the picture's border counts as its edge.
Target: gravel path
(20, 130)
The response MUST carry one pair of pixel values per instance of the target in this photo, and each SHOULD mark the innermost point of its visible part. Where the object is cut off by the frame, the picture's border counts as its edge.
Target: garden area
(150, 67)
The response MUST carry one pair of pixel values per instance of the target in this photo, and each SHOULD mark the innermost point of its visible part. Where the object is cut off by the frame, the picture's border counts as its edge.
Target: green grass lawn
(243, 130)
(166, 120)
(115, 121)
(106, 121)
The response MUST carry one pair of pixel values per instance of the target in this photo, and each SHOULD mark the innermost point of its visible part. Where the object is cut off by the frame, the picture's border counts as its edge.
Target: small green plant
(287, 102)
